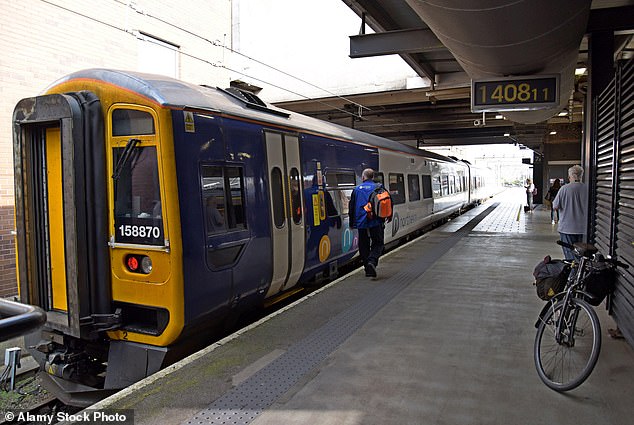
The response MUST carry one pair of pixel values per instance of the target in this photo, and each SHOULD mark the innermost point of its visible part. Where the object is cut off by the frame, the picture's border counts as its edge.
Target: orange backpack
(379, 204)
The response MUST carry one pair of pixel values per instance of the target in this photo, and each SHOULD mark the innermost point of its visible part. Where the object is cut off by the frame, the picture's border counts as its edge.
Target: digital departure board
(515, 93)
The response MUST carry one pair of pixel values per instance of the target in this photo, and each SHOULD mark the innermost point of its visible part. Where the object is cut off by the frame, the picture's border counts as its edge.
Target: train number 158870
(142, 231)
(128, 230)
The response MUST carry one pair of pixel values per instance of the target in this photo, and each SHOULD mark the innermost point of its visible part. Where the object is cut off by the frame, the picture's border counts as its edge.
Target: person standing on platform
(530, 192)
(572, 204)
(550, 196)
(371, 230)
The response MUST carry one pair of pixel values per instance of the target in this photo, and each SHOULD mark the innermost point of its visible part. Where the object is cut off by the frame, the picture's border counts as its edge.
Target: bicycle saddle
(585, 249)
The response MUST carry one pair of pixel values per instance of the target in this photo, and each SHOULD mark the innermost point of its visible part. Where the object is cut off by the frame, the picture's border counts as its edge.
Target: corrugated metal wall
(612, 219)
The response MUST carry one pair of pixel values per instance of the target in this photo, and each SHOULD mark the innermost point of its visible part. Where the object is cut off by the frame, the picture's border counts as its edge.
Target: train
(149, 210)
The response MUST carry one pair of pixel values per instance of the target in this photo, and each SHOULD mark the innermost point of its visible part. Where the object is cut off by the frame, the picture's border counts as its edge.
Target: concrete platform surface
(444, 335)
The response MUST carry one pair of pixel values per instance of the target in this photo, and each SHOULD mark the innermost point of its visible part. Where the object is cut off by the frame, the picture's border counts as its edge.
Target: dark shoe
(370, 270)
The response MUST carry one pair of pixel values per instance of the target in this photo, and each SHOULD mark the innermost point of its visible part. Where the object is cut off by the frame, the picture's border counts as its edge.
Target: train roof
(177, 94)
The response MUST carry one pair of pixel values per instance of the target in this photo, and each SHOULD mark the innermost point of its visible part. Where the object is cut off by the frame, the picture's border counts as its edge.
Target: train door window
(427, 190)
(436, 186)
(277, 197)
(223, 198)
(452, 184)
(397, 188)
(413, 187)
(296, 196)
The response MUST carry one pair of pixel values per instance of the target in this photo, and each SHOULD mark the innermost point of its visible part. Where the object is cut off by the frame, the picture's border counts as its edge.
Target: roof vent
(252, 101)
(246, 96)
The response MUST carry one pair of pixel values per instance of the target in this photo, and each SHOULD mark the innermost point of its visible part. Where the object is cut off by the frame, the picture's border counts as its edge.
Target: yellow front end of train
(145, 248)
(98, 231)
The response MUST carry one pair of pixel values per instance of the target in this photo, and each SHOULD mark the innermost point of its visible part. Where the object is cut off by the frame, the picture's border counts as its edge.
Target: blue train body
(211, 203)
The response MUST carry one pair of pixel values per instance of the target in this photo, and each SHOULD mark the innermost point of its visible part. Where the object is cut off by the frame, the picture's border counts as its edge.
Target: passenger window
(235, 198)
(437, 186)
(339, 179)
(332, 207)
(343, 197)
(214, 199)
(397, 188)
(378, 178)
(427, 191)
(223, 198)
(339, 185)
(413, 187)
(445, 185)
(128, 122)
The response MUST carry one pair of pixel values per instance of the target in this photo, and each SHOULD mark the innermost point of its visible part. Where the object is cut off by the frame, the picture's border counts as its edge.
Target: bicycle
(568, 339)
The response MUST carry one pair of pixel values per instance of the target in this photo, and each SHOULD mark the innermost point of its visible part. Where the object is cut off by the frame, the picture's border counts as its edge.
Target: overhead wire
(216, 44)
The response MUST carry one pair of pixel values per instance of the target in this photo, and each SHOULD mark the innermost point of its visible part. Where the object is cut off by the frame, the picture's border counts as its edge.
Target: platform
(444, 335)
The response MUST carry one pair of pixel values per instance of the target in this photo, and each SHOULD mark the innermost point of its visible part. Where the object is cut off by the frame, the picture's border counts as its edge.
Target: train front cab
(90, 271)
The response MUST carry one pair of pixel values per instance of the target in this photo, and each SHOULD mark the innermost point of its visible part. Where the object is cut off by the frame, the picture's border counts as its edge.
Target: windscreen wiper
(125, 156)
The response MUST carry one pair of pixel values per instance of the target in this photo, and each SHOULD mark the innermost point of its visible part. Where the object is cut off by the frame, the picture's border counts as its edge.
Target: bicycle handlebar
(565, 244)
(617, 263)
(609, 260)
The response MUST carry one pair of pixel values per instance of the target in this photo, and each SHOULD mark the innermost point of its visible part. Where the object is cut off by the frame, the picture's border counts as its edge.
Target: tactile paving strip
(246, 401)
(507, 218)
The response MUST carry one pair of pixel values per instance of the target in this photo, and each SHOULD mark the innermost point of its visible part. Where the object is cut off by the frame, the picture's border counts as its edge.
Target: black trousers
(371, 244)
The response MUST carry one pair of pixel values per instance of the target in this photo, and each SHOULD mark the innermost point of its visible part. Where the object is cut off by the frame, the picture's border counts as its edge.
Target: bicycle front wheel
(564, 365)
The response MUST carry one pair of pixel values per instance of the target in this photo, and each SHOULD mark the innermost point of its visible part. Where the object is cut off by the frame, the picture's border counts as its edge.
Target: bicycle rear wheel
(564, 365)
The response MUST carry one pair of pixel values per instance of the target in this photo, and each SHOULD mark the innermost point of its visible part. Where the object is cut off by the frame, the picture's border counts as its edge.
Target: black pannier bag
(550, 277)
(600, 282)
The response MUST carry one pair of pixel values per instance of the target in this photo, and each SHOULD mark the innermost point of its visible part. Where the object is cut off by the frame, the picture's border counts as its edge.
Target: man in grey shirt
(572, 203)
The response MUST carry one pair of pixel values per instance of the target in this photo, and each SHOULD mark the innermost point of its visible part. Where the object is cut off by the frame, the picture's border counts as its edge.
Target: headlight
(138, 263)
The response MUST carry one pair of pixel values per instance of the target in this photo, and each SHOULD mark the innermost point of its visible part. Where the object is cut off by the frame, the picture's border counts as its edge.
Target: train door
(287, 215)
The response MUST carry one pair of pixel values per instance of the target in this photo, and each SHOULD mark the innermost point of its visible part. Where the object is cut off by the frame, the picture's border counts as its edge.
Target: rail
(18, 319)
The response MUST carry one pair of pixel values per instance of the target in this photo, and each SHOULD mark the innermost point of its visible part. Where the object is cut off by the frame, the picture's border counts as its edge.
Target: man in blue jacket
(371, 230)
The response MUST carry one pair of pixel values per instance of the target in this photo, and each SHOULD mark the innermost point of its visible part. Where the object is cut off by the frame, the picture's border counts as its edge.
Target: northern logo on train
(395, 224)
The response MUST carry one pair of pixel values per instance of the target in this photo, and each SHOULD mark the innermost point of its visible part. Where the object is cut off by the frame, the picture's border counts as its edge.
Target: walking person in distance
(371, 228)
(550, 196)
(530, 192)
